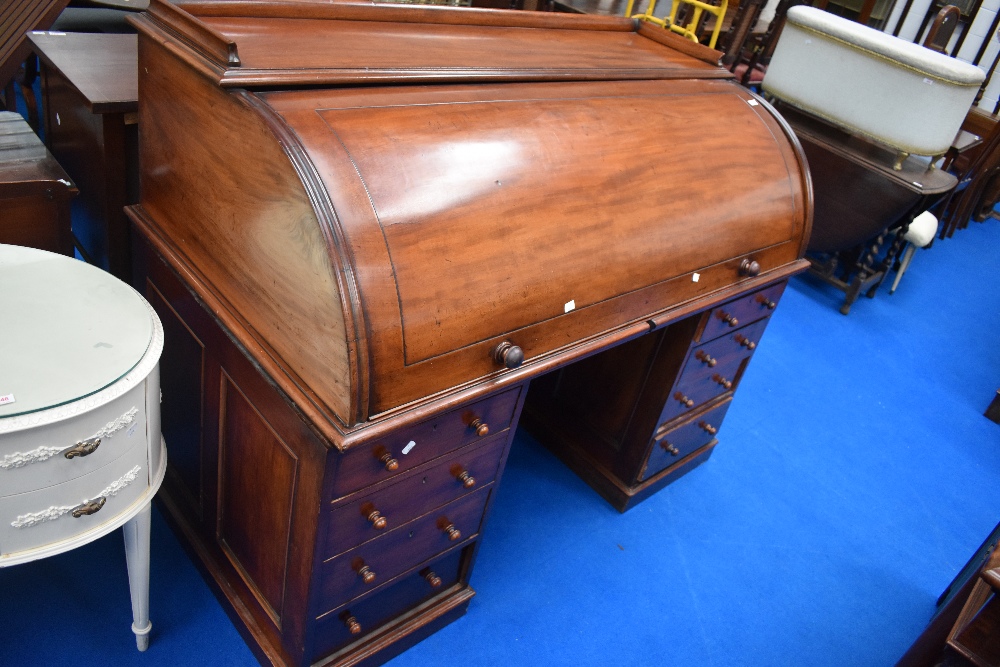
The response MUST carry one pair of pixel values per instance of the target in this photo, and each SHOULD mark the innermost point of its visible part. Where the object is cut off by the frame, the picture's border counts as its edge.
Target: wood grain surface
(103, 68)
(345, 42)
(447, 187)
(237, 209)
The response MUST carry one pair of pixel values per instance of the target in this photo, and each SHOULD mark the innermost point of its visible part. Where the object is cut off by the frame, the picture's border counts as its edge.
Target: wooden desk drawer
(37, 458)
(700, 386)
(422, 442)
(744, 339)
(722, 356)
(334, 629)
(34, 519)
(382, 559)
(673, 444)
(712, 369)
(741, 312)
(718, 360)
(355, 522)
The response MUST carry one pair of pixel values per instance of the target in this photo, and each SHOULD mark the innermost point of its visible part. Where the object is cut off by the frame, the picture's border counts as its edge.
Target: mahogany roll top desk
(367, 229)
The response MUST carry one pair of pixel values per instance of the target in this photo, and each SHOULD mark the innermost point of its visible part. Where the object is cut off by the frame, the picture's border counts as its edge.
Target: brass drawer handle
(708, 428)
(89, 507)
(481, 428)
(767, 303)
(82, 448)
(718, 379)
(706, 359)
(431, 577)
(670, 449)
(684, 400)
(745, 342)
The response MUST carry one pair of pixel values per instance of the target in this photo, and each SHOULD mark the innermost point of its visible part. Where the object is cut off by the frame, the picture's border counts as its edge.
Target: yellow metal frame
(719, 11)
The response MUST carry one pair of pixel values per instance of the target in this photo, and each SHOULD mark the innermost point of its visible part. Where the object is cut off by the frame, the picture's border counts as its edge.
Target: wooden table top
(24, 158)
(103, 67)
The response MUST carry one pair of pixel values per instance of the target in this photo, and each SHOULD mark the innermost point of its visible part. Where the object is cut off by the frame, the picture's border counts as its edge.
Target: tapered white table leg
(137, 557)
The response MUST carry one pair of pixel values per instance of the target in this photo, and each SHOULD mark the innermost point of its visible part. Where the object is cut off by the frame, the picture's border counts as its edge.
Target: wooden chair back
(975, 181)
(943, 27)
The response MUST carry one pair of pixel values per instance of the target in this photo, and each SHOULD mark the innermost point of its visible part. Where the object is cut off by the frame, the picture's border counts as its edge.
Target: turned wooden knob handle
(352, 624)
(377, 520)
(749, 267)
(728, 384)
(684, 400)
(508, 355)
(467, 480)
(708, 428)
(728, 319)
(432, 578)
(481, 428)
(745, 342)
(452, 532)
(671, 449)
(366, 574)
(767, 303)
(706, 359)
(387, 460)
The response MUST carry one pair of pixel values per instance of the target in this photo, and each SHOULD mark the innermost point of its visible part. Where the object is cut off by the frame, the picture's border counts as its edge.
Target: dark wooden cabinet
(367, 229)
(89, 99)
(35, 192)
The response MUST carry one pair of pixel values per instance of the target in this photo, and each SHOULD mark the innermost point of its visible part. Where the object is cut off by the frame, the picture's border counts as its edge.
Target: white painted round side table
(80, 446)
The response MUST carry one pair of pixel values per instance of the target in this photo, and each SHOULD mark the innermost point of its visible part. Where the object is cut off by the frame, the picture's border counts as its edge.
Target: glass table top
(67, 330)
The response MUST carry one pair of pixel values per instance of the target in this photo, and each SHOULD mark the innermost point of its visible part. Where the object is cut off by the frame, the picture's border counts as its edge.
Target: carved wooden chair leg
(853, 291)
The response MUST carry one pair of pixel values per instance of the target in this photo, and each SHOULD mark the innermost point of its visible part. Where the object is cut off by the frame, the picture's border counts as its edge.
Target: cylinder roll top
(536, 204)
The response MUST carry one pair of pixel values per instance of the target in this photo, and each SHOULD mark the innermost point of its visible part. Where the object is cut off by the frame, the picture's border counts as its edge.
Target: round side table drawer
(80, 447)
(75, 507)
(54, 453)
